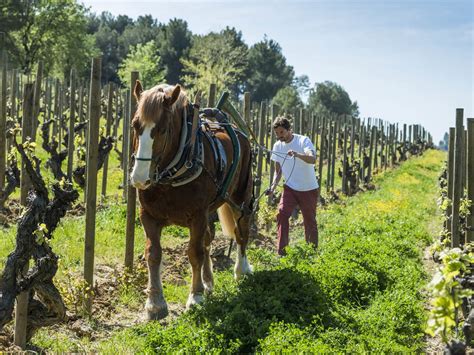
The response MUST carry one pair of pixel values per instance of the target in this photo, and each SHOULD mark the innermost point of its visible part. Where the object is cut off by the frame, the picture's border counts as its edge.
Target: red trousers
(307, 201)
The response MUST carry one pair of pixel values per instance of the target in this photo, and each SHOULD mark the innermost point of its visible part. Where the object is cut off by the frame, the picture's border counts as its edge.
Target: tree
(287, 99)
(143, 30)
(174, 43)
(115, 36)
(40, 29)
(215, 58)
(332, 97)
(268, 71)
(302, 84)
(143, 58)
(106, 40)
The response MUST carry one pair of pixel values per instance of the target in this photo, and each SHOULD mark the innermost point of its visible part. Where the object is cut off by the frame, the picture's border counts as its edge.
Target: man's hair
(281, 122)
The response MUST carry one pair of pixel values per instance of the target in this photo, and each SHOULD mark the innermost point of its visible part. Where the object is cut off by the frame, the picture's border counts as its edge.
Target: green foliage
(117, 37)
(174, 43)
(332, 97)
(448, 293)
(219, 58)
(52, 31)
(267, 70)
(131, 284)
(287, 99)
(75, 292)
(143, 59)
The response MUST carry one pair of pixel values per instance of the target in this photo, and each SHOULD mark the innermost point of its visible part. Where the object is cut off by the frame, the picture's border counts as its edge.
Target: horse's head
(159, 109)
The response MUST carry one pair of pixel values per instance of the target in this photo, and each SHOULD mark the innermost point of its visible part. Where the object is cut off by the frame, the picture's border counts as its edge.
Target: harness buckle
(189, 164)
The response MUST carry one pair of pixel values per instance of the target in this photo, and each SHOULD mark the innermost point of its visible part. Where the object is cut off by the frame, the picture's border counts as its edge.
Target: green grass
(361, 291)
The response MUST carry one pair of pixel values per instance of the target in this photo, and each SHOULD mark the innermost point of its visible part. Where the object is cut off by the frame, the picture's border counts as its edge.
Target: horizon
(402, 61)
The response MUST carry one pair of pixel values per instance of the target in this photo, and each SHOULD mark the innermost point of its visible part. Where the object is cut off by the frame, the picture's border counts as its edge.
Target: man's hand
(307, 158)
(293, 153)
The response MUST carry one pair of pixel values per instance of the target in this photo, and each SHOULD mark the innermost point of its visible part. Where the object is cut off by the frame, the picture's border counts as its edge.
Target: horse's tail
(226, 218)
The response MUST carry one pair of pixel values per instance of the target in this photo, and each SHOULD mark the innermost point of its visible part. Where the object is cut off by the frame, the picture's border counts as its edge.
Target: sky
(403, 61)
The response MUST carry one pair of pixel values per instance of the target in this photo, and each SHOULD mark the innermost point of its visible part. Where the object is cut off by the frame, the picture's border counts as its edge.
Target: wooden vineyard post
(457, 183)
(329, 154)
(131, 192)
(21, 311)
(321, 151)
(247, 108)
(450, 167)
(125, 142)
(273, 115)
(62, 88)
(344, 160)
(211, 100)
(47, 104)
(302, 125)
(116, 120)
(371, 151)
(261, 142)
(314, 128)
(360, 174)
(13, 93)
(108, 127)
(470, 178)
(3, 121)
(56, 107)
(353, 124)
(36, 98)
(27, 131)
(72, 120)
(376, 140)
(91, 178)
(334, 150)
(80, 107)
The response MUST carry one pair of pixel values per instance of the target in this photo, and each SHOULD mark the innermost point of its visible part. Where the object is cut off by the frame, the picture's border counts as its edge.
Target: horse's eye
(136, 125)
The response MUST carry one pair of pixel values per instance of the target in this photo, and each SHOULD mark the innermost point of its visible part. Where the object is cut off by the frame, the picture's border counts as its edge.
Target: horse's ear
(170, 100)
(137, 91)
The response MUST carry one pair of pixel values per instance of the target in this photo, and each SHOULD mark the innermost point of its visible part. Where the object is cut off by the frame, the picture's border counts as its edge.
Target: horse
(158, 124)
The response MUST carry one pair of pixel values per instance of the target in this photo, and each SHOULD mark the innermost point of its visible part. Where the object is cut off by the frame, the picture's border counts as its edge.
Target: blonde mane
(152, 102)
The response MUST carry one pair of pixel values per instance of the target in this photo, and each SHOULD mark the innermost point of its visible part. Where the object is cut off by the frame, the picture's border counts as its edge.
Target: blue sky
(403, 61)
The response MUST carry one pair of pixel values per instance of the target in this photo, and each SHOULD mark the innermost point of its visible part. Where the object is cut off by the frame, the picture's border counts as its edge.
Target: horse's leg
(207, 276)
(242, 231)
(156, 307)
(196, 252)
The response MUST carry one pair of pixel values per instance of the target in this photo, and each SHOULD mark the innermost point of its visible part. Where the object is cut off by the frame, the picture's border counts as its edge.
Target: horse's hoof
(193, 299)
(208, 288)
(154, 312)
(241, 270)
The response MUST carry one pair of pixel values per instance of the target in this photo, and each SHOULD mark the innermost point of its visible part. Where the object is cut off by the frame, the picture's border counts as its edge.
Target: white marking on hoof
(193, 299)
(242, 266)
(156, 311)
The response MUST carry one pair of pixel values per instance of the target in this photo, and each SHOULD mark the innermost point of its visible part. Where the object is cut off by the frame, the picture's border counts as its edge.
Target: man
(294, 156)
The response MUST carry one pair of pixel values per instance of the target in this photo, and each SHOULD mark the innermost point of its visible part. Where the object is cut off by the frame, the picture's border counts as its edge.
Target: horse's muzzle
(140, 185)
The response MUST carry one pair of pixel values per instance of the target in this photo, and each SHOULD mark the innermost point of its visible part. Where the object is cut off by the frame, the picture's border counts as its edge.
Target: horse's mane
(152, 101)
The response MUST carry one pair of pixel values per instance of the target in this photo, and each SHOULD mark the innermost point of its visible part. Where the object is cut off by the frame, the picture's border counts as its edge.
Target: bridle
(159, 174)
(158, 157)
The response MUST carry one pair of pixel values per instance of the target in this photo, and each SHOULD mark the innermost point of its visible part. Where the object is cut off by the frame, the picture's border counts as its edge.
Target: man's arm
(276, 179)
(309, 157)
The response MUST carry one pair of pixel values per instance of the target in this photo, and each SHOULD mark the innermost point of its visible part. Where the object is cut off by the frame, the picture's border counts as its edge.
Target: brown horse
(158, 124)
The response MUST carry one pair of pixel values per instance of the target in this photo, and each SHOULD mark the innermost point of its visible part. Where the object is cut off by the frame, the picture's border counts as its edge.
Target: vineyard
(391, 271)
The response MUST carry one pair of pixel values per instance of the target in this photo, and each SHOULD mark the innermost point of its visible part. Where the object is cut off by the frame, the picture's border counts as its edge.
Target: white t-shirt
(299, 175)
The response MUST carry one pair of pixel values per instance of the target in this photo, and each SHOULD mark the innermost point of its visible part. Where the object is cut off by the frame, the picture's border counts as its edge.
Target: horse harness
(188, 163)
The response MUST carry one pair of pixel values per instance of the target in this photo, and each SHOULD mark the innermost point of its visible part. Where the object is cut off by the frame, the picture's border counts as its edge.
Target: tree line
(64, 34)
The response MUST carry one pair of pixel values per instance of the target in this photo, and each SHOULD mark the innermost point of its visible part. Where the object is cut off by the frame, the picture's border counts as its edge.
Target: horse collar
(185, 157)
